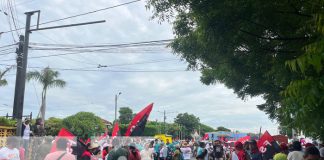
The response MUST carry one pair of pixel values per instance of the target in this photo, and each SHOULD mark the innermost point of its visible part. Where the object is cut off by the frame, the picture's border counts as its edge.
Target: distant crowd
(142, 149)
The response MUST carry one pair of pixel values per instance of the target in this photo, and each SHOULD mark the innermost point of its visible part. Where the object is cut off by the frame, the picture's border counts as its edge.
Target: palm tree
(3, 82)
(48, 78)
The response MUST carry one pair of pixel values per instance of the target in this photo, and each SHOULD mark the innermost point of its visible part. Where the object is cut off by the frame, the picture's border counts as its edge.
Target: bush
(7, 122)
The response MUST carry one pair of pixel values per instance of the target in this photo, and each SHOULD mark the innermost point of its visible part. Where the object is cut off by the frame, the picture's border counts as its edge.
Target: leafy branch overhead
(272, 49)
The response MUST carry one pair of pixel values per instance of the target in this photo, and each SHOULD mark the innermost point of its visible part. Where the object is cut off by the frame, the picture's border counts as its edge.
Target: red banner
(244, 139)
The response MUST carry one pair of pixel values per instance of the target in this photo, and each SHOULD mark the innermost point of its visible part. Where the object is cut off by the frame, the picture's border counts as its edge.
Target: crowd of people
(128, 148)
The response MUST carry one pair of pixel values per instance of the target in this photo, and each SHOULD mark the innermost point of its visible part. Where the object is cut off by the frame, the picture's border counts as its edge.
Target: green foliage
(53, 126)
(247, 45)
(3, 82)
(304, 98)
(204, 129)
(189, 122)
(48, 78)
(84, 123)
(7, 122)
(125, 115)
(221, 128)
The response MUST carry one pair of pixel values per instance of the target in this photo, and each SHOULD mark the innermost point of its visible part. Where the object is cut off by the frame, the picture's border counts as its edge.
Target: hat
(93, 145)
(132, 145)
(27, 119)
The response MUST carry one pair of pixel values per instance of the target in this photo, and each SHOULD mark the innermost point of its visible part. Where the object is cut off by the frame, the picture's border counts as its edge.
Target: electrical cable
(96, 70)
(77, 15)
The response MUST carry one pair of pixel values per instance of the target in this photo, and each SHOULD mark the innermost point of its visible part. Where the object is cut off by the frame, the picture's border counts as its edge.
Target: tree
(48, 78)
(3, 82)
(53, 126)
(84, 123)
(221, 128)
(189, 122)
(271, 49)
(125, 115)
(205, 128)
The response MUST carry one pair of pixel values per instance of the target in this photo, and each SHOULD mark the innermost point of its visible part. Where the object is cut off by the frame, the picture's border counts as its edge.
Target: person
(238, 153)
(147, 152)
(44, 148)
(177, 155)
(25, 133)
(10, 152)
(105, 150)
(201, 151)
(39, 129)
(296, 153)
(60, 153)
(312, 153)
(246, 147)
(284, 148)
(255, 154)
(186, 151)
(156, 153)
(91, 151)
(118, 152)
(167, 142)
(218, 150)
(134, 153)
(322, 151)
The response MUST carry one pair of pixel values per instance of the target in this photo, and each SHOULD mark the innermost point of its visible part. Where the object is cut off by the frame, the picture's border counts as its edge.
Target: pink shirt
(57, 154)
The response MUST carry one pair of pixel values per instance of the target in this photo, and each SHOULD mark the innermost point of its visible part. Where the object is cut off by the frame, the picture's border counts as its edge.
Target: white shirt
(234, 156)
(296, 155)
(147, 154)
(9, 154)
(186, 152)
(26, 132)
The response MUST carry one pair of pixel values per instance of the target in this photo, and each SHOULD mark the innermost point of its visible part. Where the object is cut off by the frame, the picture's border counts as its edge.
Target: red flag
(137, 126)
(63, 133)
(115, 130)
(268, 146)
(244, 139)
(205, 137)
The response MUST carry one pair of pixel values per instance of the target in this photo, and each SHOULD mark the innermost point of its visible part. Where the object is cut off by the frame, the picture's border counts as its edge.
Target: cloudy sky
(94, 91)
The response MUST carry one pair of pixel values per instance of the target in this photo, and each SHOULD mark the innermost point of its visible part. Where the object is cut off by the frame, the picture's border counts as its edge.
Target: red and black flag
(268, 146)
(137, 126)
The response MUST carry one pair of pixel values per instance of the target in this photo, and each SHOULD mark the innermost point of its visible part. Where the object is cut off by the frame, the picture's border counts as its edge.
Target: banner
(137, 126)
(268, 146)
(244, 139)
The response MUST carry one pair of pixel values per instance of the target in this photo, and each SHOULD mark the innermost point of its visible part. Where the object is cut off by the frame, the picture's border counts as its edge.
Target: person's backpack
(169, 153)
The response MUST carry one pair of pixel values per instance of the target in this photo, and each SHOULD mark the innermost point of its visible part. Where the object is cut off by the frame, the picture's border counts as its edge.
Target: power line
(77, 15)
(6, 53)
(8, 45)
(7, 49)
(95, 50)
(96, 70)
(69, 46)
